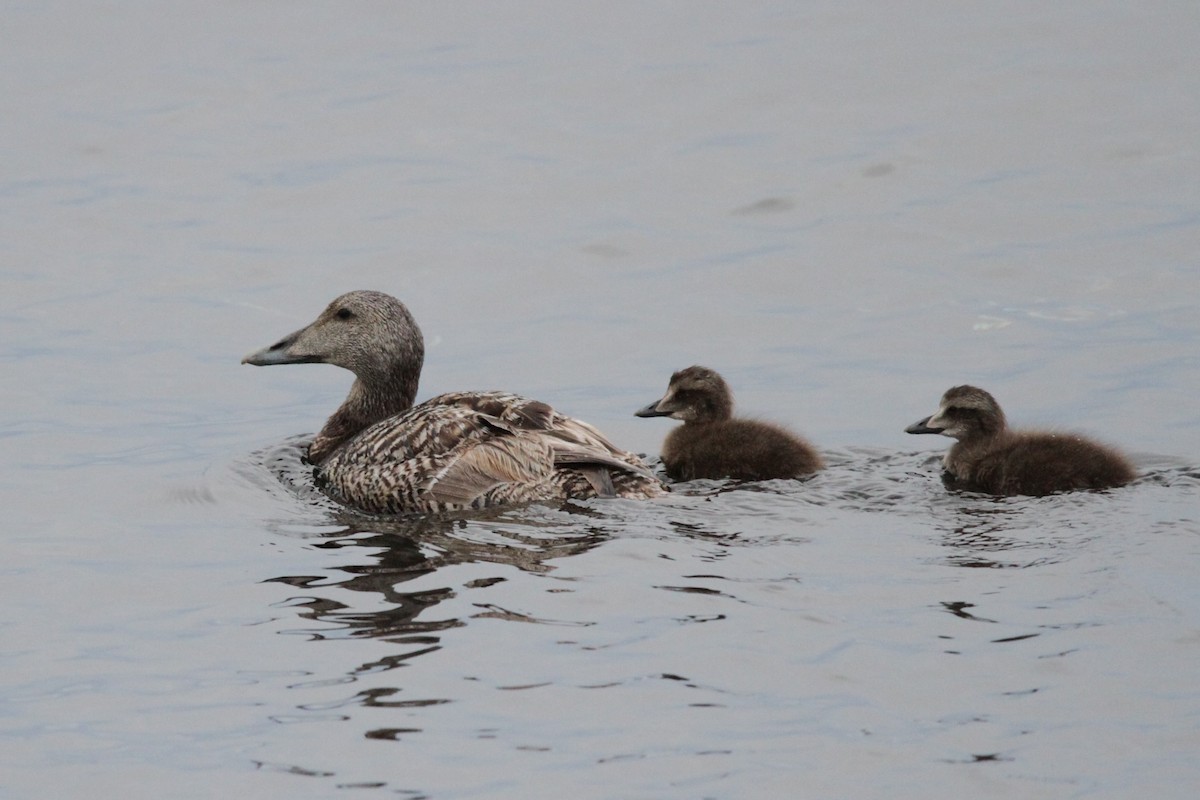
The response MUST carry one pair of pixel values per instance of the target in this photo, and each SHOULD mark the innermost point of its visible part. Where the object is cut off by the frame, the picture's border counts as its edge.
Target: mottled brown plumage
(462, 450)
(712, 444)
(988, 457)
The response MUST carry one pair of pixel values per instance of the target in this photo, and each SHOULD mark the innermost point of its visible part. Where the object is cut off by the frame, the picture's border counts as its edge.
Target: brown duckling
(988, 457)
(380, 453)
(712, 444)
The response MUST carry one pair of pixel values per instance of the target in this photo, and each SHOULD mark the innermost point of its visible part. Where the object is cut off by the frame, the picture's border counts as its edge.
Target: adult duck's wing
(438, 457)
(389, 466)
(525, 414)
(518, 465)
(512, 409)
(521, 463)
(579, 448)
(475, 449)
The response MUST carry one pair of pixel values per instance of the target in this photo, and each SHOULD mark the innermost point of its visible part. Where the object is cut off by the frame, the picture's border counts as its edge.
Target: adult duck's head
(372, 334)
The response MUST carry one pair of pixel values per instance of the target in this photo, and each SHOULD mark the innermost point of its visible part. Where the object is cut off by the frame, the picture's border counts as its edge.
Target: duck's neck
(962, 456)
(714, 408)
(366, 404)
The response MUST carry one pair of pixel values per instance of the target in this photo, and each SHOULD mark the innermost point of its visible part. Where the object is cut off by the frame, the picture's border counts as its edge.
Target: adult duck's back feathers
(460, 450)
(478, 449)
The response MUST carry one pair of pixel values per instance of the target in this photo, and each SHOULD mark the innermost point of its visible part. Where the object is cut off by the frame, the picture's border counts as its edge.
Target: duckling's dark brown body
(988, 457)
(462, 450)
(712, 444)
(744, 449)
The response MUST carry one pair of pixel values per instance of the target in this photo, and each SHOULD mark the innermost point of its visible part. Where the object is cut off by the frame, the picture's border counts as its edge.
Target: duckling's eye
(345, 313)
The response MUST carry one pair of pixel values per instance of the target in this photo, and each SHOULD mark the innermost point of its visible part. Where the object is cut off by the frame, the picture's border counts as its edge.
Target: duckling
(712, 444)
(465, 450)
(988, 457)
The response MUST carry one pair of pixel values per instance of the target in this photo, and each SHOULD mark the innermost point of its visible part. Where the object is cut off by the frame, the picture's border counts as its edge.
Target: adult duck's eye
(345, 313)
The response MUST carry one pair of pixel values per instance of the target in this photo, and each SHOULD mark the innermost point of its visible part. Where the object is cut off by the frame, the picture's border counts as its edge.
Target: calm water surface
(844, 208)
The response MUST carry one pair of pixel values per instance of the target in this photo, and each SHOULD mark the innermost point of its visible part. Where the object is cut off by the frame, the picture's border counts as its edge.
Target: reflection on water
(391, 552)
(973, 530)
(403, 550)
(750, 561)
(981, 537)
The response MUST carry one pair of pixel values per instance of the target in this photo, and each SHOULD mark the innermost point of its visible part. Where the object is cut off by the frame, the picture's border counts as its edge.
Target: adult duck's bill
(282, 352)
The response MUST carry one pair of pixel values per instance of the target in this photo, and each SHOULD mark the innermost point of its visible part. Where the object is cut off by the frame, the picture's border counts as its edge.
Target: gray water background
(843, 207)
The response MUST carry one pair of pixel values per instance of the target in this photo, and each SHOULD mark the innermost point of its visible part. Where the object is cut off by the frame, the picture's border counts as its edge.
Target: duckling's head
(695, 394)
(966, 412)
(372, 334)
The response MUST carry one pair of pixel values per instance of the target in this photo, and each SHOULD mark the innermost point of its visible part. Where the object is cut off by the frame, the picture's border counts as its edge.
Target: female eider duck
(466, 450)
(712, 444)
(988, 457)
